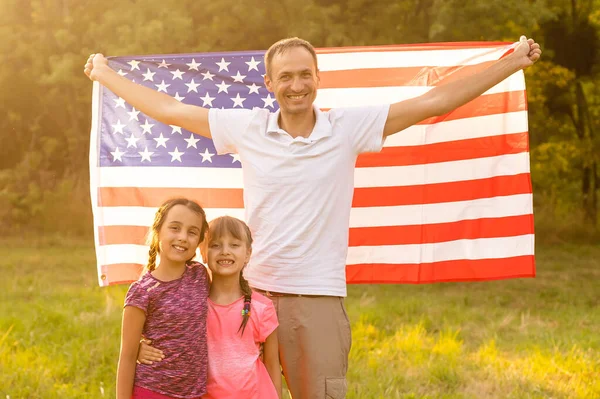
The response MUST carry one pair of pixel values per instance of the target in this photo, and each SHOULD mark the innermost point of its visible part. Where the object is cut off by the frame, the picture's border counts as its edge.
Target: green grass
(529, 338)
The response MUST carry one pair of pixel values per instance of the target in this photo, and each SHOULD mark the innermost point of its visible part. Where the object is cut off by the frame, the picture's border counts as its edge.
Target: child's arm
(271, 359)
(131, 330)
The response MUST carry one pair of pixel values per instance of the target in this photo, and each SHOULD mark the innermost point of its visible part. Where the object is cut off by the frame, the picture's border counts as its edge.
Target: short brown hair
(284, 45)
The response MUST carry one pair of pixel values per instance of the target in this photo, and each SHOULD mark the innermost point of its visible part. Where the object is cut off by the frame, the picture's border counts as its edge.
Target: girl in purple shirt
(168, 304)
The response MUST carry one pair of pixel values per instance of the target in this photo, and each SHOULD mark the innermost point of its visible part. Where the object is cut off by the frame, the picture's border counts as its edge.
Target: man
(298, 167)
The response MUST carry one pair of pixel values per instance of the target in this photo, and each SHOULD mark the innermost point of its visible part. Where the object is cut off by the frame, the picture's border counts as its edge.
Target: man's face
(294, 80)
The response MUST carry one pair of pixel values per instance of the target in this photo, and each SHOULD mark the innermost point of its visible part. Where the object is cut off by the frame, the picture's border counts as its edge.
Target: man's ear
(268, 83)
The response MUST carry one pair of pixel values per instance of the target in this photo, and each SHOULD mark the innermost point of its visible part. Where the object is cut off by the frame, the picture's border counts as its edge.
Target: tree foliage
(45, 114)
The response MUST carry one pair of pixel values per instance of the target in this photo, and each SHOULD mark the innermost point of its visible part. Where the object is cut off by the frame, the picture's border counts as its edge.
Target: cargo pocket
(335, 388)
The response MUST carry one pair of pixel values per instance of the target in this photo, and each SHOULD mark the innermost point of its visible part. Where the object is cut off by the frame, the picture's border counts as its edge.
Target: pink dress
(234, 366)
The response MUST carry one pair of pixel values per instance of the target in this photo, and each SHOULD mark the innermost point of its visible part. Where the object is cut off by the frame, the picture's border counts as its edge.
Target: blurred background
(527, 338)
(45, 97)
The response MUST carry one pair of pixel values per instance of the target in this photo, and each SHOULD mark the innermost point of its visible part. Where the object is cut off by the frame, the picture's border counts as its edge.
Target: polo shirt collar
(321, 130)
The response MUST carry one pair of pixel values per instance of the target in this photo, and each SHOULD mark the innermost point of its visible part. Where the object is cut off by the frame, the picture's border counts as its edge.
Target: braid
(151, 258)
(247, 291)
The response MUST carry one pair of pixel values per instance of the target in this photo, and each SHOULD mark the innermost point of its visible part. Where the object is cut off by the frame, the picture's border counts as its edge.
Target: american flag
(448, 199)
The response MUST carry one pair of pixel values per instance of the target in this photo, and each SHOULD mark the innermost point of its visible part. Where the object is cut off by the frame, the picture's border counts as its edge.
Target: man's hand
(148, 354)
(93, 64)
(527, 51)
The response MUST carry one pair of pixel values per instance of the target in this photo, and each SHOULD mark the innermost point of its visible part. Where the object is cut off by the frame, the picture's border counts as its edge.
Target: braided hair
(159, 219)
(240, 231)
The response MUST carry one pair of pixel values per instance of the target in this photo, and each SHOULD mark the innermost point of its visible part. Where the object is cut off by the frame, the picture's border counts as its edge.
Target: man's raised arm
(445, 98)
(159, 106)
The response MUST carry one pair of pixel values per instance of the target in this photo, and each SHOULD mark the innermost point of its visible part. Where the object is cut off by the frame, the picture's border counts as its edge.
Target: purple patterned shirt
(176, 323)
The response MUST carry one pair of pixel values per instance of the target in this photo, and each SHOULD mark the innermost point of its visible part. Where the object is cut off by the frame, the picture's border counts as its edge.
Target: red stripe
(121, 273)
(154, 197)
(456, 270)
(490, 104)
(363, 196)
(442, 232)
(481, 147)
(114, 235)
(401, 76)
(411, 47)
(442, 192)
(374, 236)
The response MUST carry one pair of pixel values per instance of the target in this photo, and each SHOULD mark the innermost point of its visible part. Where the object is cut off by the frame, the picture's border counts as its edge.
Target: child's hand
(148, 354)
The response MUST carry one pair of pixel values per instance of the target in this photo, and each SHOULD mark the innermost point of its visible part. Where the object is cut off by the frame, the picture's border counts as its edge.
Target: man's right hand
(93, 64)
(148, 354)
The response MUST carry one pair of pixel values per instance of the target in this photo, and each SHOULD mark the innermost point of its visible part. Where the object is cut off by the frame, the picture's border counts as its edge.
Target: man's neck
(301, 124)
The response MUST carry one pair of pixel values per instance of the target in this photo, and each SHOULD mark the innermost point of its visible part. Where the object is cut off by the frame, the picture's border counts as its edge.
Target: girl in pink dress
(239, 321)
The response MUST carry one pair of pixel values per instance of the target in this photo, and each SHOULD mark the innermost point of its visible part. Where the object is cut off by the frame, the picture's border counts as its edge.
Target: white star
(192, 86)
(254, 88)
(192, 141)
(176, 129)
(207, 100)
(117, 155)
(146, 155)
(163, 64)
(235, 158)
(238, 77)
(223, 65)
(133, 114)
(132, 141)
(134, 64)
(193, 65)
(177, 74)
(147, 127)
(118, 127)
(176, 155)
(178, 97)
(207, 75)
(161, 141)
(252, 65)
(121, 72)
(149, 75)
(238, 101)
(120, 102)
(268, 101)
(163, 86)
(206, 156)
(223, 87)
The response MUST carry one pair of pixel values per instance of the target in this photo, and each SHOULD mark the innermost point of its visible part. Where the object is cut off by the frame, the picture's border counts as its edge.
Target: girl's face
(227, 255)
(179, 235)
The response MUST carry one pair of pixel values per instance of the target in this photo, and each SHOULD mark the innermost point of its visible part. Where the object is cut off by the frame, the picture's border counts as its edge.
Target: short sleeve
(227, 127)
(364, 126)
(268, 321)
(138, 296)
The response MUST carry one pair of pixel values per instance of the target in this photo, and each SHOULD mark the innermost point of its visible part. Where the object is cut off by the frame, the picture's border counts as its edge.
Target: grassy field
(529, 338)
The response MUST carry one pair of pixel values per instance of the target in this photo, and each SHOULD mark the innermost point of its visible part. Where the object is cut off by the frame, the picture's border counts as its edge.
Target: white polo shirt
(298, 192)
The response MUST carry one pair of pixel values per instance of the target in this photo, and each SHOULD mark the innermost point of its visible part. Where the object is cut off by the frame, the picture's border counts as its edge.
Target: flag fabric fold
(448, 199)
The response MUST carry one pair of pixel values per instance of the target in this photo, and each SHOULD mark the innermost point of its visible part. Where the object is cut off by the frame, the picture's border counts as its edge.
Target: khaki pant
(314, 344)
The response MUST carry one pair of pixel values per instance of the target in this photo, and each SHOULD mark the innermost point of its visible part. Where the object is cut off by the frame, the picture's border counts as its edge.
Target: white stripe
(460, 129)
(399, 59)
(479, 168)
(189, 177)
(446, 212)
(483, 248)
(442, 172)
(364, 96)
